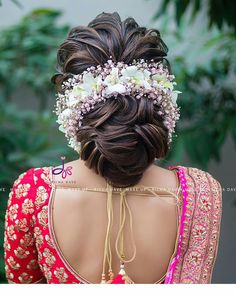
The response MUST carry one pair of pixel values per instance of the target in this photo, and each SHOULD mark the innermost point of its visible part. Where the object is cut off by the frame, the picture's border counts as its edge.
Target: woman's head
(120, 137)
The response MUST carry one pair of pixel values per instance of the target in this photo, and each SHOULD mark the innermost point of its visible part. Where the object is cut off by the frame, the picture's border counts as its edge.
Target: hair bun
(117, 144)
(121, 137)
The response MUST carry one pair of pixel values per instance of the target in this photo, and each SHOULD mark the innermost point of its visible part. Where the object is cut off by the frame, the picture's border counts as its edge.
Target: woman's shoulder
(32, 175)
(203, 188)
(27, 185)
(199, 175)
(200, 223)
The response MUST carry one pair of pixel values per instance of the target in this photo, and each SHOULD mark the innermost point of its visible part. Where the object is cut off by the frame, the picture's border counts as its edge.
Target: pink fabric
(169, 276)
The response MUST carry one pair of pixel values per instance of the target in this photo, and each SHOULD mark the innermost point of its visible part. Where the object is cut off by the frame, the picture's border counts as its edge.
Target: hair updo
(120, 138)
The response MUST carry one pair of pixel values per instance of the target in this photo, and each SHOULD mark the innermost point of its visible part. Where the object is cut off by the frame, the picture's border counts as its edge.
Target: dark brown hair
(120, 138)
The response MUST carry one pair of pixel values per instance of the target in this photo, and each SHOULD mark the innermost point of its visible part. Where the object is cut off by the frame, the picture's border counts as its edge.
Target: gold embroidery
(187, 281)
(27, 240)
(47, 272)
(9, 274)
(40, 239)
(61, 274)
(6, 218)
(32, 265)
(215, 234)
(49, 241)
(200, 216)
(41, 196)
(205, 203)
(38, 236)
(33, 218)
(12, 213)
(21, 225)
(21, 253)
(25, 278)
(50, 258)
(11, 232)
(22, 190)
(32, 221)
(37, 231)
(7, 246)
(43, 217)
(194, 258)
(190, 204)
(35, 179)
(27, 206)
(9, 198)
(13, 264)
(40, 256)
(199, 232)
(46, 175)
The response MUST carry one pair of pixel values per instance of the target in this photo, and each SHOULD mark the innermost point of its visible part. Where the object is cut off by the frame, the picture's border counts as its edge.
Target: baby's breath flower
(140, 79)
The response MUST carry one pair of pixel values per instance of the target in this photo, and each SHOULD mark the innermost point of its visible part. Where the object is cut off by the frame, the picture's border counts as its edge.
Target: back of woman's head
(120, 137)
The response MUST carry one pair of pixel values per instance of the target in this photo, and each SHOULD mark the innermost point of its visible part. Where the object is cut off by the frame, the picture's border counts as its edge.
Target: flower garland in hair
(139, 79)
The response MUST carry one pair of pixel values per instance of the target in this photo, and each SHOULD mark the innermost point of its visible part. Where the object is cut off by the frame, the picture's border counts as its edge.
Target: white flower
(159, 78)
(62, 129)
(84, 89)
(115, 88)
(113, 83)
(162, 80)
(76, 95)
(146, 74)
(168, 84)
(66, 113)
(74, 144)
(113, 77)
(139, 76)
(59, 121)
(63, 116)
(174, 96)
(91, 83)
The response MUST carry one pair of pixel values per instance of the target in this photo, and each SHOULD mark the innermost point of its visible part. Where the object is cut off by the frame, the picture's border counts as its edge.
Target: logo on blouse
(62, 170)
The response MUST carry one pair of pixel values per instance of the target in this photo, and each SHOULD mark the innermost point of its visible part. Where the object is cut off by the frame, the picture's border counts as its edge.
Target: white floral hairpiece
(140, 79)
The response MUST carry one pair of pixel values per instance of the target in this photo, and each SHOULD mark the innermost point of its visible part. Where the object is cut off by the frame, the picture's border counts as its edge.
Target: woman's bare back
(80, 223)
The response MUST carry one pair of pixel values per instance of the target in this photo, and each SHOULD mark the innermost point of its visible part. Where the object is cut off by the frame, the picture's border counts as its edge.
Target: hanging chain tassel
(119, 279)
(103, 280)
(122, 277)
(107, 249)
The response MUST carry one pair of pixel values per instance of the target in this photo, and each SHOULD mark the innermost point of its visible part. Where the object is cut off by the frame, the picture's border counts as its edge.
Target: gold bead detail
(103, 280)
(111, 274)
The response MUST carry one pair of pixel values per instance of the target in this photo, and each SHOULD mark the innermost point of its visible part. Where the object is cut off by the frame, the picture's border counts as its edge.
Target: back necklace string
(119, 244)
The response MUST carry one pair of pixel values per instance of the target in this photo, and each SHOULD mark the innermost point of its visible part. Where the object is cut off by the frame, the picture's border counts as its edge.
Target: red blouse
(31, 251)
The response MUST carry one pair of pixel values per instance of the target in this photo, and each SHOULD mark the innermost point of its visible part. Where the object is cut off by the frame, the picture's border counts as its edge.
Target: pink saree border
(172, 267)
(199, 229)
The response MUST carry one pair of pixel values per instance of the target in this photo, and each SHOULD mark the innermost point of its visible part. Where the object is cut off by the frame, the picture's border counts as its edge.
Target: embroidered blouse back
(56, 235)
(82, 247)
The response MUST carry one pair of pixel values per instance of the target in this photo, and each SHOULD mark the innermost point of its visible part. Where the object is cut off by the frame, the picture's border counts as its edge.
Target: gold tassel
(122, 277)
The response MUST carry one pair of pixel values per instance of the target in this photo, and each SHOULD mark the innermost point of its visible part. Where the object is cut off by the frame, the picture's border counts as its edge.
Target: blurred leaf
(206, 73)
(219, 12)
(28, 54)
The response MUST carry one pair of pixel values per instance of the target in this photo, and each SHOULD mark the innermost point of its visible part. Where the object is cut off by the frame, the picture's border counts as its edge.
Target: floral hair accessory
(139, 79)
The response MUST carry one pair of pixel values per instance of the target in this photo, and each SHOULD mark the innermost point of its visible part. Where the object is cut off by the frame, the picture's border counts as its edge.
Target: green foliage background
(205, 68)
